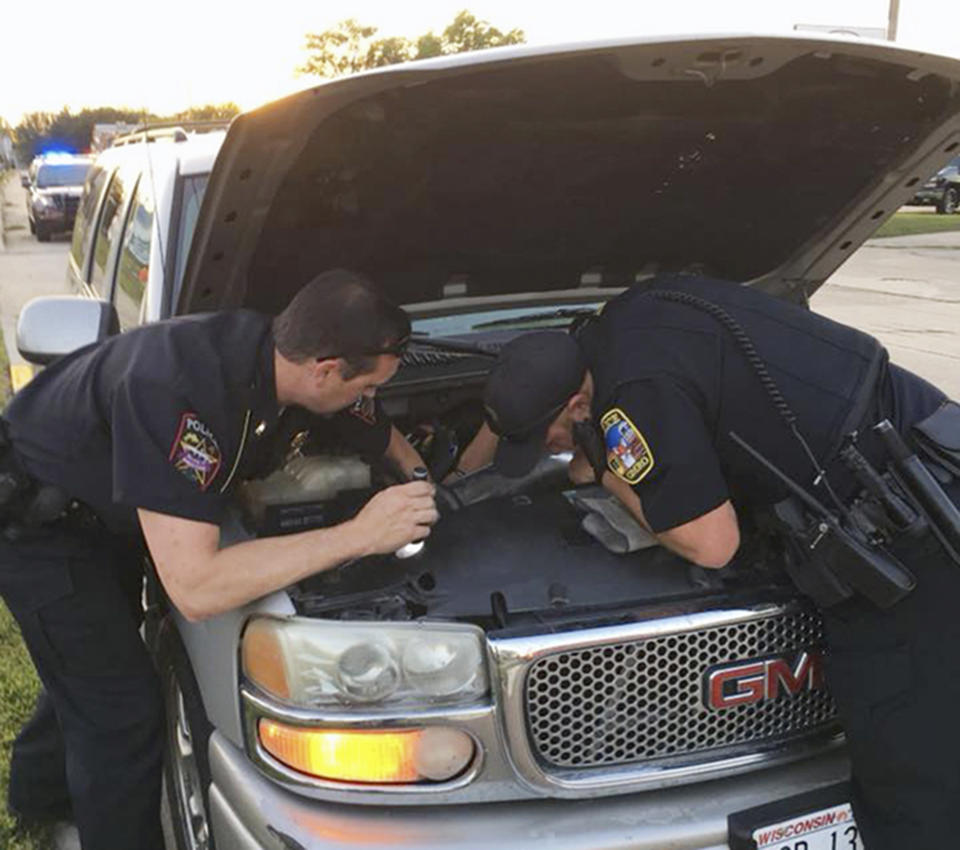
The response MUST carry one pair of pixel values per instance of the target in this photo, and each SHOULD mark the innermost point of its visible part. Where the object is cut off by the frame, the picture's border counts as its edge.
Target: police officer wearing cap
(693, 401)
(152, 430)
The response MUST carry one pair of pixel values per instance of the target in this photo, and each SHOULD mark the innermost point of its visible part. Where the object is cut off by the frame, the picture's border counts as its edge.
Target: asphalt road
(27, 268)
(905, 291)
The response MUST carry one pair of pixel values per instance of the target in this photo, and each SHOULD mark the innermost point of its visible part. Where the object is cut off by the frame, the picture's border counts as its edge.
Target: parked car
(516, 684)
(54, 183)
(942, 190)
(136, 219)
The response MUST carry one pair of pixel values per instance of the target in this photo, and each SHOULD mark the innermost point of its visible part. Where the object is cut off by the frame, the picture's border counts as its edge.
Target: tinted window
(85, 216)
(190, 199)
(72, 174)
(109, 226)
(134, 264)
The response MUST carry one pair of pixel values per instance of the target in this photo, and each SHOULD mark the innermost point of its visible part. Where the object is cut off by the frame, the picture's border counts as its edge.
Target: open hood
(765, 160)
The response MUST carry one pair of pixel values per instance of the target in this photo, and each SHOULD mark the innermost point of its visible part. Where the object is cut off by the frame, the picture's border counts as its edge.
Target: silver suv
(518, 684)
(136, 218)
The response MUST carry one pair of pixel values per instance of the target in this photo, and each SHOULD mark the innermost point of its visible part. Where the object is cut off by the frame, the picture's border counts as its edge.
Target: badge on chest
(628, 455)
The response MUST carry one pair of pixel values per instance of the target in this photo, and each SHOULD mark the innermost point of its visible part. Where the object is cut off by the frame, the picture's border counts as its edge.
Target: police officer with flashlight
(151, 431)
(703, 405)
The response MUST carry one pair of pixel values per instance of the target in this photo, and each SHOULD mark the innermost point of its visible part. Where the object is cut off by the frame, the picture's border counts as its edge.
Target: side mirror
(54, 325)
(25, 181)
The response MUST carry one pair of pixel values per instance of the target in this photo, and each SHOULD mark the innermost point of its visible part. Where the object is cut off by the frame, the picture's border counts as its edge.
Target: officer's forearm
(203, 581)
(401, 454)
(710, 540)
(480, 451)
(626, 496)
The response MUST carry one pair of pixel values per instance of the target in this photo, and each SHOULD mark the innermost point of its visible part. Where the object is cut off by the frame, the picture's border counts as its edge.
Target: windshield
(951, 167)
(534, 316)
(66, 174)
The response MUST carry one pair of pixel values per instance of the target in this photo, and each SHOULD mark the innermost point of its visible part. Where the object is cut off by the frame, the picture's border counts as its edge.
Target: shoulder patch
(628, 455)
(365, 409)
(195, 452)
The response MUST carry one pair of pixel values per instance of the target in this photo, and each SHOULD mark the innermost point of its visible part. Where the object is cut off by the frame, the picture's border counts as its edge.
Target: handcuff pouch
(938, 436)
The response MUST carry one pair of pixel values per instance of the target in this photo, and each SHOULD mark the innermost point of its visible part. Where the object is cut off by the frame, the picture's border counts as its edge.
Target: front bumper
(250, 812)
(926, 197)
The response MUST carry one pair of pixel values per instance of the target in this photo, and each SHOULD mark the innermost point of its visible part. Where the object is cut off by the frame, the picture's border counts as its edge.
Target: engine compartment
(506, 552)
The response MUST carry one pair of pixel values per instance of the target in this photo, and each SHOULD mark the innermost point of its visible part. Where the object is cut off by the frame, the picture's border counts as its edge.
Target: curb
(3, 227)
(20, 375)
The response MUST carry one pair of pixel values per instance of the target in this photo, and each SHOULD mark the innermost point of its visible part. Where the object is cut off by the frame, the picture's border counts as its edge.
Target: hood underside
(751, 159)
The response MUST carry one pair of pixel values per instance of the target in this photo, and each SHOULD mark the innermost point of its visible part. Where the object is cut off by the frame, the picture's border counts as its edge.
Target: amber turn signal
(396, 756)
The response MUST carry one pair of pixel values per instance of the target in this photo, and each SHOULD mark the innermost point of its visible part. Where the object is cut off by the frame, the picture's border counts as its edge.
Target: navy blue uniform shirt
(164, 417)
(671, 383)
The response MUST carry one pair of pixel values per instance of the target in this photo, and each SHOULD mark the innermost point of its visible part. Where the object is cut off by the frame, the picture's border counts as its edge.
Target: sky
(191, 52)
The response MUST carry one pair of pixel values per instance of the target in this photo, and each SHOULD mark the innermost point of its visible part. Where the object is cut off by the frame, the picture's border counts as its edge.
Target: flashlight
(416, 546)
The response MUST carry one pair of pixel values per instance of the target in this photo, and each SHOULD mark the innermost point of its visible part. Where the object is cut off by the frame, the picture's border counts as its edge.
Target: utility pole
(892, 20)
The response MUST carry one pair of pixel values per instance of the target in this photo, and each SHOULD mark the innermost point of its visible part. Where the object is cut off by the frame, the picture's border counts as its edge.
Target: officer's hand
(580, 471)
(396, 516)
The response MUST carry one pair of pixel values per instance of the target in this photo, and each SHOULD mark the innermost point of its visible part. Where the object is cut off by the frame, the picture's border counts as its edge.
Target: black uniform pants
(95, 738)
(895, 676)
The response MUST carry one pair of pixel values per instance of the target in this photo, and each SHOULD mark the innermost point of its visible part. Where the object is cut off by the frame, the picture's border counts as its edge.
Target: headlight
(316, 663)
(44, 201)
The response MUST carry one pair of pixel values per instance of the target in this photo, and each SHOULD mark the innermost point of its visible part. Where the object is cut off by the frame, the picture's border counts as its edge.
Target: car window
(108, 228)
(86, 214)
(62, 174)
(134, 264)
(190, 199)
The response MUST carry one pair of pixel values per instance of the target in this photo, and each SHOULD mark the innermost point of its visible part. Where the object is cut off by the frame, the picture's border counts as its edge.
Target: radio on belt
(416, 547)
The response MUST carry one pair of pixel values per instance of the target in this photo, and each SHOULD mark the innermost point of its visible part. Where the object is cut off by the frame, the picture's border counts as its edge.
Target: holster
(26, 505)
(938, 437)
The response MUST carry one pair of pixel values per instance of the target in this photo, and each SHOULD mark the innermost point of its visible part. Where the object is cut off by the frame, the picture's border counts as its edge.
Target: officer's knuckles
(418, 488)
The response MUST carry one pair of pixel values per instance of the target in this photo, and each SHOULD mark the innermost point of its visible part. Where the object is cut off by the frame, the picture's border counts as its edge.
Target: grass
(18, 691)
(912, 223)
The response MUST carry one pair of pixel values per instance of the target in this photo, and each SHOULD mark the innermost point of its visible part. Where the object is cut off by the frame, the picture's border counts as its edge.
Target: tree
(349, 46)
(29, 134)
(467, 33)
(208, 112)
(65, 130)
(338, 51)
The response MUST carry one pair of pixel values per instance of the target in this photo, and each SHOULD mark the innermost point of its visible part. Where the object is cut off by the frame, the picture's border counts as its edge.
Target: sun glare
(190, 53)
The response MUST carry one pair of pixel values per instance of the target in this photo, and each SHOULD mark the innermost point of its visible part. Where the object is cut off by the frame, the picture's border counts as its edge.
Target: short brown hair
(340, 313)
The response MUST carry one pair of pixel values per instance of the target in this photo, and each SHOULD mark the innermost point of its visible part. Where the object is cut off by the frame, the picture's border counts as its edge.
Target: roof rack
(178, 131)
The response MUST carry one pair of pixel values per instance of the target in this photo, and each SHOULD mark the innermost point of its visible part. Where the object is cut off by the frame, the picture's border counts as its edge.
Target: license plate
(816, 820)
(827, 829)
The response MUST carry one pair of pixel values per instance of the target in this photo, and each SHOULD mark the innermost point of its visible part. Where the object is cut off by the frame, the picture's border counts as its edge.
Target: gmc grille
(639, 701)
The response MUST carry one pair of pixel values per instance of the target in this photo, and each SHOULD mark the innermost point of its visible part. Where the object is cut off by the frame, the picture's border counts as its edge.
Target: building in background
(104, 134)
(879, 33)
(6, 152)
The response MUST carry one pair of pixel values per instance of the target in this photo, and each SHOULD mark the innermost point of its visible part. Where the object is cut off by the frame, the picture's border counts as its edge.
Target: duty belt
(28, 506)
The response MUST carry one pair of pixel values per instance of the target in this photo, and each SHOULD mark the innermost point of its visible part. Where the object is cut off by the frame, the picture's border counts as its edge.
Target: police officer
(649, 395)
(152, 430)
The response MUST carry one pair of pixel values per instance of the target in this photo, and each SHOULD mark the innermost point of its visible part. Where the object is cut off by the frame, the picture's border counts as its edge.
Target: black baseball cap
(535, 376)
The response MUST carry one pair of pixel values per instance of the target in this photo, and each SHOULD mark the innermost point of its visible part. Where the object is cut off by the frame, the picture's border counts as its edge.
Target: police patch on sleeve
(365, 409)
(628, 455)
(195, 451)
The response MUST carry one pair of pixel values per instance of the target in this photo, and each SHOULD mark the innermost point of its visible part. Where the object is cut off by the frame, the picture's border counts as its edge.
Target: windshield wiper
(560, 313)
(420, 340)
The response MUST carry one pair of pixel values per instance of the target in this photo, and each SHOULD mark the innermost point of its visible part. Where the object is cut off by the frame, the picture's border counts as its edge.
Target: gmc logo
(747, 682)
